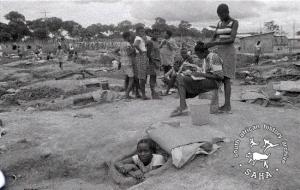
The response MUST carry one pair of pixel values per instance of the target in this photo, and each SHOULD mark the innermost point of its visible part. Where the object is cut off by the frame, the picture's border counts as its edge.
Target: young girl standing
(127, 53)
(60, 55)
(224, 38)
(142, 61)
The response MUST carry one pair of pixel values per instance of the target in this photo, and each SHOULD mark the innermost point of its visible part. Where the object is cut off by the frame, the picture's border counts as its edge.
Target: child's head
(148, 32)
(145, 149)
(168, 34)
(200, 50)
(59, 47)
(184, 53)
(140, 31)
(223, 12)
(126, 36)
(155, 33)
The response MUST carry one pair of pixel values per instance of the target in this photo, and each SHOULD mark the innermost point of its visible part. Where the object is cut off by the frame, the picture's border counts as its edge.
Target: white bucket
(200, 112)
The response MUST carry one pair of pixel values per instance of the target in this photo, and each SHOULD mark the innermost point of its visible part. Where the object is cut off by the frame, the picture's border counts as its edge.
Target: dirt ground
(55, 150)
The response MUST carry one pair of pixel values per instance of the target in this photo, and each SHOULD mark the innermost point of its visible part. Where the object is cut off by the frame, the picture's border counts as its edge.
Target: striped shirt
(224, 30)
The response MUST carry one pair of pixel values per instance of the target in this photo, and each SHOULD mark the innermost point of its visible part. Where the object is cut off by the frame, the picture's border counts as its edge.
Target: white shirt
(157, 160)
(142, 44)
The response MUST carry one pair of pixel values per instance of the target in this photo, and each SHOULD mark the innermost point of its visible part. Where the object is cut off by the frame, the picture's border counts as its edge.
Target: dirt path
(55, 150)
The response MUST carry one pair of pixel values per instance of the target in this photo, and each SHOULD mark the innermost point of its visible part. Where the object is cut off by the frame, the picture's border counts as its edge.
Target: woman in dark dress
(223, 38)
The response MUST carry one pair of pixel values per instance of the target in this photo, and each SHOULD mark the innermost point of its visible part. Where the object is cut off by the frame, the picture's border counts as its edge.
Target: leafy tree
(72, 27)
(271, 27)
(53, 24)
(124, 26)
(184, 27)
(5, 35)
(207, 33)
(138, 24)
(14, 16)
(16, 25)
(160, 24)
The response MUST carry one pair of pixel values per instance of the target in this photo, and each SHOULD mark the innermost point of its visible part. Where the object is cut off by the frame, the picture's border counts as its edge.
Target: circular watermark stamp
(260, 151)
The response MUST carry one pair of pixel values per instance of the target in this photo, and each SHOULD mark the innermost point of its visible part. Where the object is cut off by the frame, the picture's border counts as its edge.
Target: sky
(251, 14)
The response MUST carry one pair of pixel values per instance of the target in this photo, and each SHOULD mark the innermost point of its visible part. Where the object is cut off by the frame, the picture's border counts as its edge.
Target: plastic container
(200, 112)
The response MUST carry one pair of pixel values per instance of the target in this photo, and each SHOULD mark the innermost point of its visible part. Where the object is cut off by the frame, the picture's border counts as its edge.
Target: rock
(116, 87)
(3, 148)
(11, 91)
(30, 109)
(83, 115)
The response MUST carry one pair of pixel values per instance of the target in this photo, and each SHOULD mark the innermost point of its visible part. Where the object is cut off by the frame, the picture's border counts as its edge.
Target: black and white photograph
(149, 95)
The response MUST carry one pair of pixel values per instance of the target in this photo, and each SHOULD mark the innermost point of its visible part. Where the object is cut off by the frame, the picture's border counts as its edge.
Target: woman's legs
(227, 89)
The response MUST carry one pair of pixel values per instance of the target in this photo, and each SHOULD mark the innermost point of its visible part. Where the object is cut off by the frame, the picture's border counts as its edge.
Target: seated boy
(192, 83)
(143, 162)
(170, 77)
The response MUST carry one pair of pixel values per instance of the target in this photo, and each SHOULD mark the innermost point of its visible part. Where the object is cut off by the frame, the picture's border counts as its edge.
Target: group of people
(190, 78)
(143, 55)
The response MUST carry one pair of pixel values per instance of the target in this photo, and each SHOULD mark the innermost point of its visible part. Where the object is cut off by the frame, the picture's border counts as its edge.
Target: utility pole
(45, 14)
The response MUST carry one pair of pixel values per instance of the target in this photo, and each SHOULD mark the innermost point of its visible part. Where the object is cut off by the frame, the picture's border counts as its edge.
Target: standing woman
(223, 38)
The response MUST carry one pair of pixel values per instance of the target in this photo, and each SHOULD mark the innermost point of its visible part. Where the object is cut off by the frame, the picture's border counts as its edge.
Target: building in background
(294, 45)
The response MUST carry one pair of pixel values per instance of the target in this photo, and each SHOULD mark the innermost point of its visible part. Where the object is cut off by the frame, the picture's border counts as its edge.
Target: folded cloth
(183, 143)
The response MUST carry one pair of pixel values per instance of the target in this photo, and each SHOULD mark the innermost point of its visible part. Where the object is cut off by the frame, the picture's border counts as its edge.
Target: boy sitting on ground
(143, 162)
(170, 77)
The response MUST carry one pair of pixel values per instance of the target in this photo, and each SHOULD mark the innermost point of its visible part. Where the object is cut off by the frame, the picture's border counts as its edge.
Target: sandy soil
(54, 150)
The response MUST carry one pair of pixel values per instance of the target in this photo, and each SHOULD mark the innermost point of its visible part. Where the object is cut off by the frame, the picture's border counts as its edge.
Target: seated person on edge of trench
(191, 83)
(143, 162)
(170, 77)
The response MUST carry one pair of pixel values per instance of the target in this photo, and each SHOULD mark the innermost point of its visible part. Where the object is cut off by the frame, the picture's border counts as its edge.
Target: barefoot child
(127, 52)
(60, 55)
(143, 162)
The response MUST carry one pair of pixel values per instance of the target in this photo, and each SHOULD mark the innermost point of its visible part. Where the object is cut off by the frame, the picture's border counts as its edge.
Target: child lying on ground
(143, 162)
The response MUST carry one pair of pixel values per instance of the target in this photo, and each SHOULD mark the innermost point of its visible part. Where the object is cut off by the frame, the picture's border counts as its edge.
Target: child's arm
(159, 170)
(116, 51)
(207, 75)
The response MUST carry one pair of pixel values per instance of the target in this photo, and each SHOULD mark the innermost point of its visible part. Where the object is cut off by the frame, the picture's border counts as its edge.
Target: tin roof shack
(294, 45)
(247, 43)
(280, 45)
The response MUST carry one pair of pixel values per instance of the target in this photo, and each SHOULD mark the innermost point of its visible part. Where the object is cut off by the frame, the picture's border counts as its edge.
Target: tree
(16, 25)
(207, 33)
(41, 33)
(271, 27)
(138, 24)
(72, 27)
(14, 16)
(184, 27)
(53, 24)
(160, 24)
(124, 26)
(5, 35)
